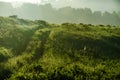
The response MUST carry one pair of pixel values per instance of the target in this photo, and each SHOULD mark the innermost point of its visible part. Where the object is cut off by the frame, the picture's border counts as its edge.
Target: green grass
(37, 50)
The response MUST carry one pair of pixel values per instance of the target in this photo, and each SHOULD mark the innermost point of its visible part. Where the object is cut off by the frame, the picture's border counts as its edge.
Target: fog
(95, 5)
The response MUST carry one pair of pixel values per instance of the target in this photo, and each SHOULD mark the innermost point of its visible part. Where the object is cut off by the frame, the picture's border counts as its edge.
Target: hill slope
(37, 50)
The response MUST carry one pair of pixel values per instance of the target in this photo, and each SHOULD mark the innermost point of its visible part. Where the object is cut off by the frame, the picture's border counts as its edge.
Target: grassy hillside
(37, 50)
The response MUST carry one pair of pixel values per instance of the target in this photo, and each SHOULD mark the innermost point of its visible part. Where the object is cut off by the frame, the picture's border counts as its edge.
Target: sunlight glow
(18, 3)
(22, 1)
(95, 5)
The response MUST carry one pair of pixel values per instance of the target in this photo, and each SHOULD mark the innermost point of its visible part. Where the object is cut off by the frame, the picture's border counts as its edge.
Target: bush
(4, 54)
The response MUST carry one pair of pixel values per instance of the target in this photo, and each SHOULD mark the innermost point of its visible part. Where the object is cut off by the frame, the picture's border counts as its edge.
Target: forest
(38, 50)
(61, 15)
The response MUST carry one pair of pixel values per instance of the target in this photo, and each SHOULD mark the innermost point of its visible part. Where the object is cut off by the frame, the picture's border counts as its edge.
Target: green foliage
(5, 73)
(4, 54)
(13, 16)
(37, 50)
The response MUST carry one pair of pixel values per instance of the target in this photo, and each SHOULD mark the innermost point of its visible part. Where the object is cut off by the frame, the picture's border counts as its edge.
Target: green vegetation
(37, 50)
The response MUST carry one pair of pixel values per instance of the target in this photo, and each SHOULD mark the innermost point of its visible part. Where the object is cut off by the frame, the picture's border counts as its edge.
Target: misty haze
(59, 39)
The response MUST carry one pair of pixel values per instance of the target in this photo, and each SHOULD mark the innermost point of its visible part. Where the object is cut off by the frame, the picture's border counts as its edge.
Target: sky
(95, 5)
